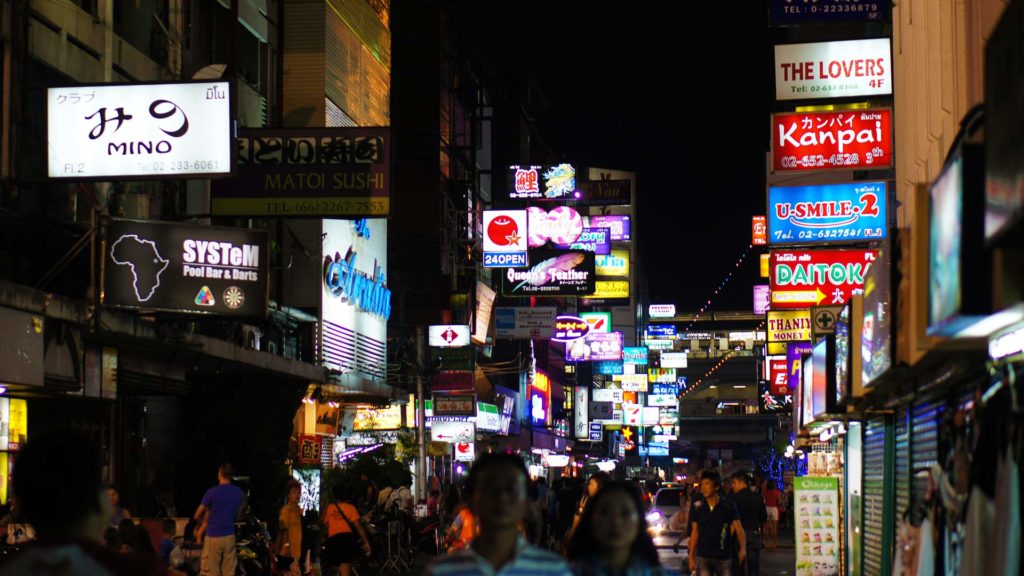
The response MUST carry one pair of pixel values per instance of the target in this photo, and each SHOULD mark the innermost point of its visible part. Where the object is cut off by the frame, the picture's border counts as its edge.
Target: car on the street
(664, 505)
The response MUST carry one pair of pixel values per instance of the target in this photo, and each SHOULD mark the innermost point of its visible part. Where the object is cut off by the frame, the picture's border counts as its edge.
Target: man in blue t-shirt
(216, 516)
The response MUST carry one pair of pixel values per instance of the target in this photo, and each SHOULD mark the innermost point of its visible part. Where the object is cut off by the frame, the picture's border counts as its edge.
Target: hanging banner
(309, 172)
(849, 140)
(551, 182)
(132, 131)
(827, 213)
(804, 278)
(524, 323)
(554, 274)
(816, 507)
(837, 69)
(598, 321)
(505, 238)
(789, 326)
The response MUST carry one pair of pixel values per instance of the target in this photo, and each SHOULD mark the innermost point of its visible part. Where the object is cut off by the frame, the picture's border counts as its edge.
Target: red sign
(778, 376)
(759, 230)
(853, 139)
(309, 450)
(805, 278)
(453, 380)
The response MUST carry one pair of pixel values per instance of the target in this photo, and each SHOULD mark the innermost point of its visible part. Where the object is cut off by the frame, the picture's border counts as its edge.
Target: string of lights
(721, 286)
(716, 367)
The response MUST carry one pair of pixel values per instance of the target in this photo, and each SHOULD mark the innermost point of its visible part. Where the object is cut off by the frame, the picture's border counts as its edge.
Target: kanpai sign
(803, 278)
(832, 140)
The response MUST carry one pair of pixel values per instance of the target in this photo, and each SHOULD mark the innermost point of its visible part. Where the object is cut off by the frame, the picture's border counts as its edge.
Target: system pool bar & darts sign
(804, 278)
(827, 213)
(181, 268)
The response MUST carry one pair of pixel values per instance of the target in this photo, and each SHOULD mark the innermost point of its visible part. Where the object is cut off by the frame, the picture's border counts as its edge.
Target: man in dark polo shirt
(714, 523)
(753, 515)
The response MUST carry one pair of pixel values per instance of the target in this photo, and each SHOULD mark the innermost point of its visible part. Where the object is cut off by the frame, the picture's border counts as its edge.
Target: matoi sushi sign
(803, 278)
(859, 139)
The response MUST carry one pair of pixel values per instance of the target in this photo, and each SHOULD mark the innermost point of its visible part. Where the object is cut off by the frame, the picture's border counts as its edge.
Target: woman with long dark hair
(594, 484)
(612, 538)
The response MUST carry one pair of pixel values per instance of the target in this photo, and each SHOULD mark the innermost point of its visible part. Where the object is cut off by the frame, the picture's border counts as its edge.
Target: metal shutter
(903, 468)
(924, 443)
(874, 498)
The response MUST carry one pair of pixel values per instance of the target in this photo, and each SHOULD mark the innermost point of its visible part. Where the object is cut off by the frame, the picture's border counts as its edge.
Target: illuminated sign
(661, 310)
(761, 298)
(600, 346)
(674, 360)
(614, 264)
(557, 460)
(562, 225)
(858, 139)
(662, 375)
(613, 395)
(764, 266)
(632, 414)
(554, 274)
(355, 299)
(661, 400)
(146, 130)
(632, 382)
(569, 328)
(617, 223)
(789, 12)
(770, 403)
(446, 335)
(596, 240)
(454, 405)
(794, 350)
(789, 326)
(465, 451)
(778, 375)
(378, 418)
(660, 331)
(636, 355)
(659, 343)
(803, 278)
(553, 182)
(598, 321)
(17, 424)
(524, 323)
(540, 399)
(759, 231)
(833, 69)
(609, 367)
(581, 419)
(1009, 344)
(453, 432)
(827, 213)
(504, 238)
(610, 289)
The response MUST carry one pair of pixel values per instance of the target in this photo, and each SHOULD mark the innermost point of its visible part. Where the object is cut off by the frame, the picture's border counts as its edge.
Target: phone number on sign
(830, 234)
(180, 166)
(335, 207)
(820, 161)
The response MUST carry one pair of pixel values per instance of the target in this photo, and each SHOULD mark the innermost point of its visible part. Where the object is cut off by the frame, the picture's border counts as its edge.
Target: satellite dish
(211, 72)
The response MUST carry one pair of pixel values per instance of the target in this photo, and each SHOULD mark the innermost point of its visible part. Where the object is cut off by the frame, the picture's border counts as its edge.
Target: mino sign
(804, 278)
(858, 139)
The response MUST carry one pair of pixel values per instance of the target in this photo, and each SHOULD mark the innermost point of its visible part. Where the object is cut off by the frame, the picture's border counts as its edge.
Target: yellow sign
(4, 477)
(378, 418)
(776, 348)
(19, 424)
(789, 325)
(808, 297)
(614, 264)
(765, 266)
(611, 289)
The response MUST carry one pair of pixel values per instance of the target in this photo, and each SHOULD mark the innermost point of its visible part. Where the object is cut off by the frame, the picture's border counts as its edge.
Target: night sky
(631, 86)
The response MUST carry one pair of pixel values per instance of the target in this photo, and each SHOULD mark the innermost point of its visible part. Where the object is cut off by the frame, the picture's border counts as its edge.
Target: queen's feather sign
(555, 273)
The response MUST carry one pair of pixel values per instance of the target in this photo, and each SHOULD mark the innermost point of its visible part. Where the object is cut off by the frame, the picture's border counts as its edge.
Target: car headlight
(653, 518)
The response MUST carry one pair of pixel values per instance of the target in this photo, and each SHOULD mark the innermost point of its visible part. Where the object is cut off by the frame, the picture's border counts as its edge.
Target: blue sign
(664, 389)
(608, 367)
(634, 355)
(596, 431)
(661, 330)
(804, 11)
(652, 450)
(827, 214)
(505, 260)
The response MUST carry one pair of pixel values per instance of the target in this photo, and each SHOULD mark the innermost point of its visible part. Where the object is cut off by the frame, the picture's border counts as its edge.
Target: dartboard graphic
(234, 297)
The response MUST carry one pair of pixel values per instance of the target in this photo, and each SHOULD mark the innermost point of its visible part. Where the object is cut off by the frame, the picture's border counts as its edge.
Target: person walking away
(751, 508)
(59, 491)
(534, 521)
(772, 503)
(713, 524)
(612, 537)
(288, 546)
(462, 529)
(401, 498)
(217, 512)
(594, 485)
(496, 488)
(117, 512)
(344, 532)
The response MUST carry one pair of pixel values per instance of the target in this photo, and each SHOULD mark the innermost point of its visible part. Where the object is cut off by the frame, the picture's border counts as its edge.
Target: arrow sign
(798, 297)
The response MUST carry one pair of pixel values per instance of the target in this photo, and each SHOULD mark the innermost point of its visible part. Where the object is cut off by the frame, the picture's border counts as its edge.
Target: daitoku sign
(340, 172)
(833, 69)
(828, 213)
(179, 268)
(554, 274)
(803, 278)
(139, 130)
(832, 140)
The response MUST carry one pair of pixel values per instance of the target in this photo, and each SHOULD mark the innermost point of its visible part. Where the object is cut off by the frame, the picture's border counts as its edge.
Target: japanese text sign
(761, 296)
(802, 278)
(140, 130)
(596, 240)
(614, 264)
(859, 139)
(505, 238)
(632, 382)
(618, 223)
(833, 69)
(789, 326)
(553, 274)
(554, 182)
(569, 328)
(599, 346)
(828, 213)
(661, 310)
(524, 323)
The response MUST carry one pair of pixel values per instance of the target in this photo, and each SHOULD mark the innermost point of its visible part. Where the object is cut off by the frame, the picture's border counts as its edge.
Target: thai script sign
(817, 277)
(858, 139)
(618, 223)
(828, 213)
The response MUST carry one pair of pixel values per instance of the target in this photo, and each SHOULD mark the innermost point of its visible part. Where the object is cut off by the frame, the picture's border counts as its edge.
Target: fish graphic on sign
(205, 297)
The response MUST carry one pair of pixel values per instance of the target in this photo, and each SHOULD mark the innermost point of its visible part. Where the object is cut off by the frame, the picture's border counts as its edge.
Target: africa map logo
(143, 259)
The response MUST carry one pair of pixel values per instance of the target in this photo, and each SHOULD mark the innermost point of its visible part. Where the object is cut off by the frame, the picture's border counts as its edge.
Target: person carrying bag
(343, 531)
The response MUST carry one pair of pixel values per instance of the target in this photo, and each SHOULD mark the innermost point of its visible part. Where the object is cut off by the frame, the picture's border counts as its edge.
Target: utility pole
(421, 417)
